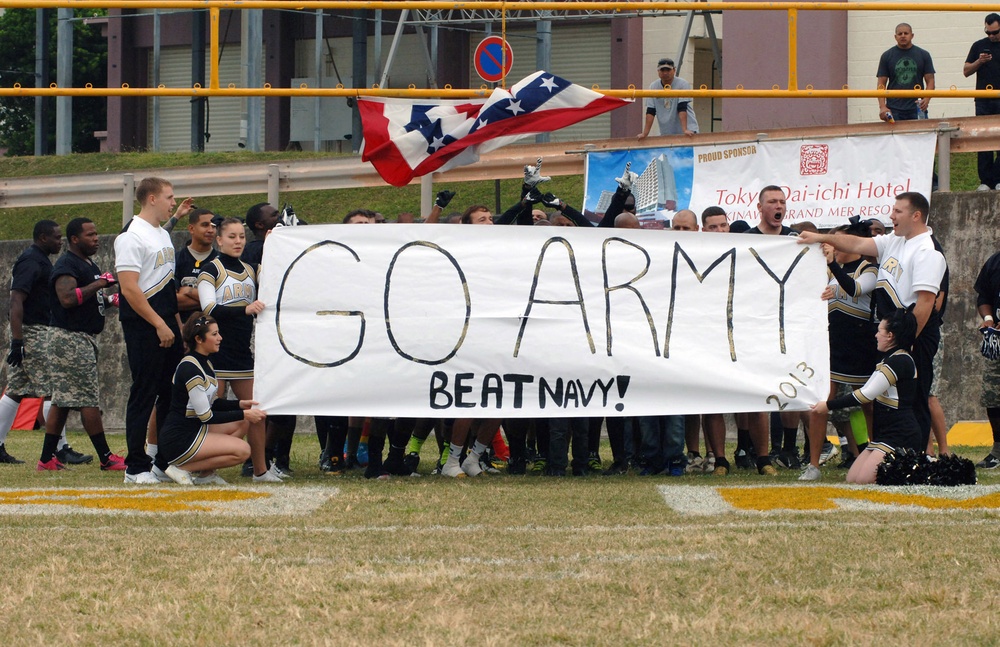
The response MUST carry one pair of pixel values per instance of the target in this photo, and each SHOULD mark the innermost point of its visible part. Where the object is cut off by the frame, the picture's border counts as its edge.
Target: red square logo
(813, 159)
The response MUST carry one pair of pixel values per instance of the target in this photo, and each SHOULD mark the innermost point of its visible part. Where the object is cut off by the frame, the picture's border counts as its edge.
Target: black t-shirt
(30, 275)
(186, 271)
(253, 253)
(987, 285)
(989, 72)
(785, 231)
(905, 69)
(87, 317)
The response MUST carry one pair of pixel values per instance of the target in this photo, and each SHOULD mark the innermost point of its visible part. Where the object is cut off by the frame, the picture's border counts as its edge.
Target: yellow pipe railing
(215, 6)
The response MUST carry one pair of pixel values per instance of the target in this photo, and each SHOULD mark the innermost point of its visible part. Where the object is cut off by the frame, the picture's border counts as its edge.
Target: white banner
(826, 180)
(463, 321)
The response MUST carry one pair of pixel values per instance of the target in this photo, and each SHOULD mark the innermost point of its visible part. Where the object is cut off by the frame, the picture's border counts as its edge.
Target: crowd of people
(187, 317)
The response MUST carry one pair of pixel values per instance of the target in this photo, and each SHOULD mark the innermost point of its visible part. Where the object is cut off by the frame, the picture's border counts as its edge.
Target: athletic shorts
(73, 373)
(32, 376)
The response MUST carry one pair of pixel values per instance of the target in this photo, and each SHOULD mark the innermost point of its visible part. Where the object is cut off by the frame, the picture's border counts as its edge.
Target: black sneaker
(7, 458)
(788, 460)
(617, 468)
(283, 466)
(247, 470)
(517, 466)
(411, 461)
(393, 465)
(991, 462)
(68, 456)
(847, 462)
(743, 460)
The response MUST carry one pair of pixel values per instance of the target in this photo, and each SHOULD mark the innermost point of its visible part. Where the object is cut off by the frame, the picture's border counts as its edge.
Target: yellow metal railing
(215, 6)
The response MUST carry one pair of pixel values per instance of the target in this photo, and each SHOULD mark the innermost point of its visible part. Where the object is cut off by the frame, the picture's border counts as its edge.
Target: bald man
(627, 220)
(684, 220)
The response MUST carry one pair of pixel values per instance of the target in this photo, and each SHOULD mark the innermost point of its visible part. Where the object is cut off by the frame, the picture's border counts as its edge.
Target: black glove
(550, 200)
(443, 198)
(533, 196)
(16, 355)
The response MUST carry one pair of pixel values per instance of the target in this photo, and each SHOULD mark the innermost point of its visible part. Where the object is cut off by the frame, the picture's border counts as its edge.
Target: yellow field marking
(972, 433)
(228, 501)
(700, 501)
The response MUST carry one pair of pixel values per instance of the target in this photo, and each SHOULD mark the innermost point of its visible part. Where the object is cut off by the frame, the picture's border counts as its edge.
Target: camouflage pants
(32, 376)
(74, 369)
(991, 384)
(843, 415)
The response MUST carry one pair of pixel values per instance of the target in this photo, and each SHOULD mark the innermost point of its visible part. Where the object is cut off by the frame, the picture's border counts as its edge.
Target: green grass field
(494, 560)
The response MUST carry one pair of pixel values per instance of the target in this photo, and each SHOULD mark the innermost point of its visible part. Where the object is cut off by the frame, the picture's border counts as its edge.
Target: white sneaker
(267, 477)
(696, 464)
(811, 473)
(277, 471)
(471, 465)
(142, 478)
(982, 187)
(160, 475)
(208, 479)
(452, 468)
(829, 451)
(178, 476)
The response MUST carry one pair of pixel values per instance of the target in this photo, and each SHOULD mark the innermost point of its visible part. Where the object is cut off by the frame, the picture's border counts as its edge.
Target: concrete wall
(963, 222)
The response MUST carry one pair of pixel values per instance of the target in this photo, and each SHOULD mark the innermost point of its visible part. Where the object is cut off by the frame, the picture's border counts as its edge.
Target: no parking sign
(493, 58)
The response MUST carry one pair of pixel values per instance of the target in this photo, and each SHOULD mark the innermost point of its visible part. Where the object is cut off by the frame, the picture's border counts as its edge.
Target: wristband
(79, 297)
(988, 318)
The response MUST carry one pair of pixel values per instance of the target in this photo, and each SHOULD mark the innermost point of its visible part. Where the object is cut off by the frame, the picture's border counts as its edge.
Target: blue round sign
(493, 58)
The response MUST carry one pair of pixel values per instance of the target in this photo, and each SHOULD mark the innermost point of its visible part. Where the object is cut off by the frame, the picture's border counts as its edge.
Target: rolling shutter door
(175, 112)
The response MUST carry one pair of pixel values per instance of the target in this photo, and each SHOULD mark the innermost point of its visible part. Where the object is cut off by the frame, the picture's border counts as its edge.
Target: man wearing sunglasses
(984, 62)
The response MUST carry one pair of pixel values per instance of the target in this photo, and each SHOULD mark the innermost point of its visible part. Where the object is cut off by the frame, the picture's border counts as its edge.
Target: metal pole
(378, 44)
(944, 157)
(426, 193)
(793, 49)
(128, 197)
(255, 75)
(359, 71)
(318, 62)
(64, 78)
(41, 80)
(682, 48)
(198, 76)
(543, 57)
(273, 178)
(392, 48)
(156, 78)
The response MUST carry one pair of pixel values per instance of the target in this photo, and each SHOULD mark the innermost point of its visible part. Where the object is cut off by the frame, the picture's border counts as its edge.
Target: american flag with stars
(405, 138)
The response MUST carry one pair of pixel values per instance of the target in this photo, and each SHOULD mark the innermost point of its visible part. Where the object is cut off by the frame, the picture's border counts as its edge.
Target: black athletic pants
(152, 371)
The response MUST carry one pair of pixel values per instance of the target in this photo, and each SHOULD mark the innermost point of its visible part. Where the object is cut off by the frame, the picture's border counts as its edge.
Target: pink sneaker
(52, 465)
(115, 463)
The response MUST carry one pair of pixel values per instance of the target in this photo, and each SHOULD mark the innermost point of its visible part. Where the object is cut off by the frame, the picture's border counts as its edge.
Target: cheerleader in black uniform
(227, 290)
(202, 434)
(893, 389)
(852, 342)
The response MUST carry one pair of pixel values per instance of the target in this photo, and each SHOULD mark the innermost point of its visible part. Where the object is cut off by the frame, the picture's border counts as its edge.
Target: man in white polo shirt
(144, 259)
(909, 275)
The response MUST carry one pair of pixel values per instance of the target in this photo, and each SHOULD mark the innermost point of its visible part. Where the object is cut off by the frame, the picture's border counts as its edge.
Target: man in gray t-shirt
(675, 115)
(904, 67)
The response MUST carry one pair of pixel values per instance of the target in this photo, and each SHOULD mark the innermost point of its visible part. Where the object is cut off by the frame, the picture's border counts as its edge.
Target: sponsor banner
(826, 180)
(461, 321)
